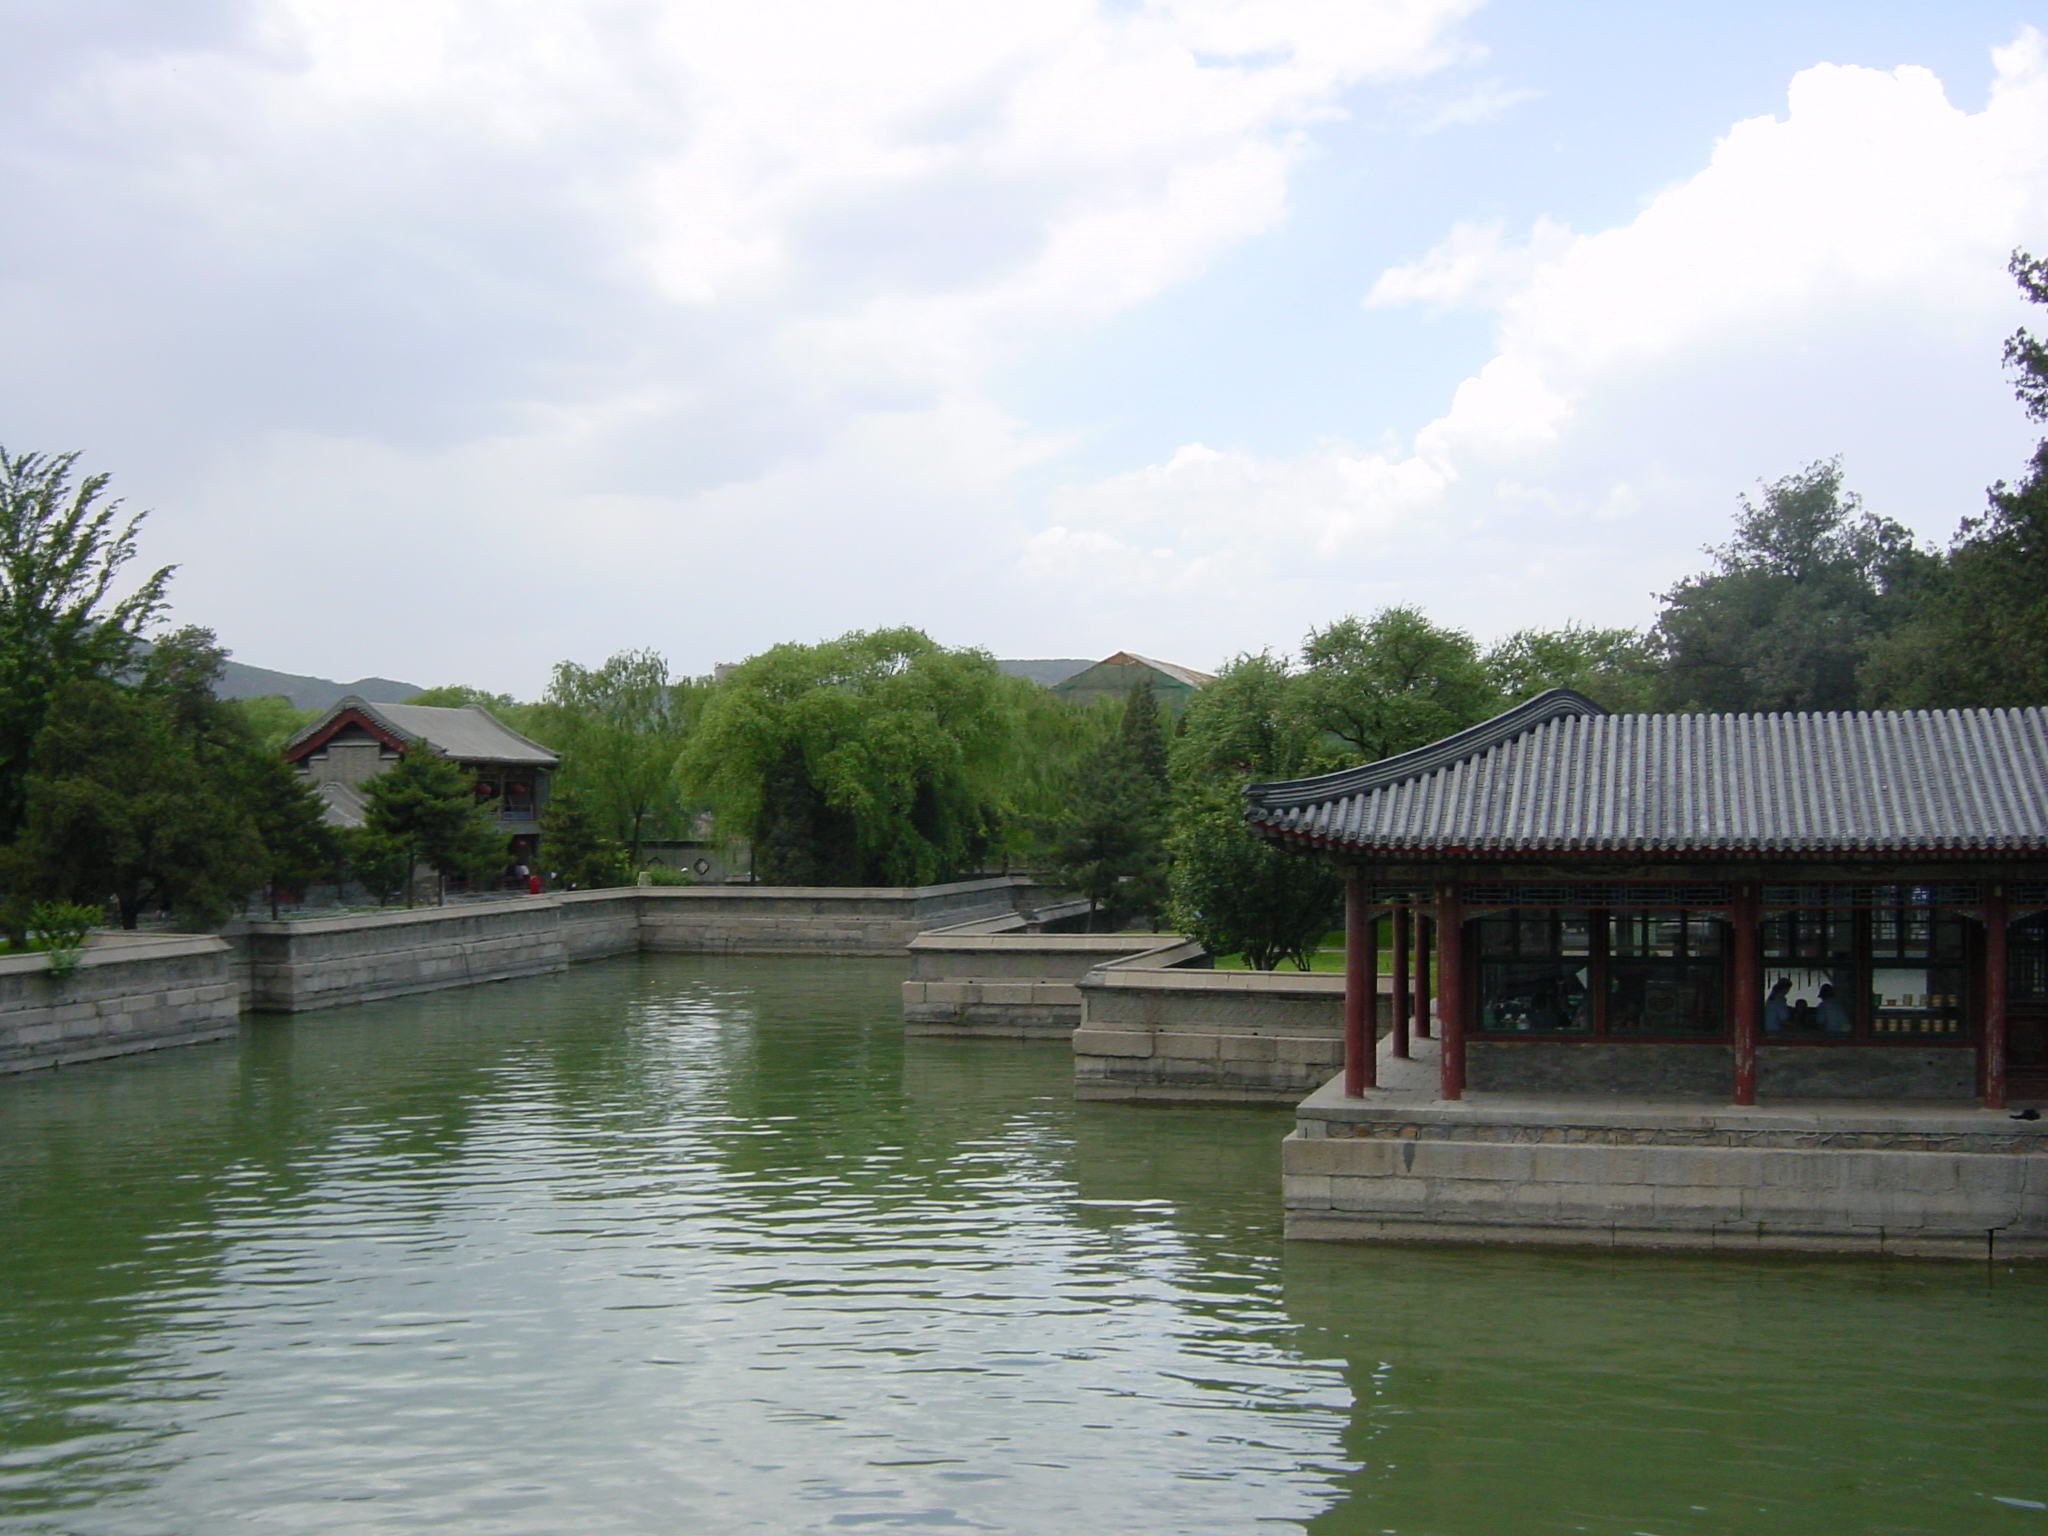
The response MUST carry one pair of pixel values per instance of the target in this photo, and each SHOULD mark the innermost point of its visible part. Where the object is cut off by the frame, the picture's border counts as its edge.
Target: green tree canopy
(1248, 723)
(425, 805)
(237, 761)
(1794, 604)
(2025, 353)
(1227, 889)
(156, 795)
(1108, 841)
(874, 759)
(1615, 668)
(1978, 636)
(619, 729)
(272, 719)
(461, 696)
(63, 619)
(582, 855)
(1391, 683)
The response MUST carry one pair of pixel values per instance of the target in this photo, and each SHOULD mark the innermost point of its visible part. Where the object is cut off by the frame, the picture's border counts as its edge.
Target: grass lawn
(1330, 955)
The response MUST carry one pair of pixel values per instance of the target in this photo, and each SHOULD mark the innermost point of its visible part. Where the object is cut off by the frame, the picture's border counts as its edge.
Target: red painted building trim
(1746, 1010)
(340, 723)
(1423, 929)
(1403, 1001)
(1361, 978)
(1997, 994)
(1450, 980)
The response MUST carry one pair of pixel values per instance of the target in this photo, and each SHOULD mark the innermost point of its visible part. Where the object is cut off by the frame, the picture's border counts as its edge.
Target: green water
(685, 1246)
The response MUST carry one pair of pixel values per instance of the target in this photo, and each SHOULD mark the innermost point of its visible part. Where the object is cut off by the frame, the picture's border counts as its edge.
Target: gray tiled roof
(469, 735)
(343, 806)
(1559, 774)
(1128, 659)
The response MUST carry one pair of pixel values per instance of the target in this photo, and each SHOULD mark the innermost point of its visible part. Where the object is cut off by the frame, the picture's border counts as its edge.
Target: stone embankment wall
(1908, 1179)
(1160, 1026)
(1147, 1016)
(132, 993)
(305, 963)
(816, 920)
(1008, 979)
(128, 994)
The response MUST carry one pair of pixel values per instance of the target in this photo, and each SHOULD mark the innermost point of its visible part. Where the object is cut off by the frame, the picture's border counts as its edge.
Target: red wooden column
(1423, 928)
(1745, 917)
(1401, 1000)
(1997, 982)
(1450, 991)
(1361, 991)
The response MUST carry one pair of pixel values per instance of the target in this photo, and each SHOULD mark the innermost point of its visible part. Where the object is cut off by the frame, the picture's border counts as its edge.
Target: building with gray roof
(1113, 677)
(357, 739)
(1797, 905)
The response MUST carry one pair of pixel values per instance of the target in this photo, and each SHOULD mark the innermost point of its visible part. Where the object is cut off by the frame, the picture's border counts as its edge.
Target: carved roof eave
(1552, 704)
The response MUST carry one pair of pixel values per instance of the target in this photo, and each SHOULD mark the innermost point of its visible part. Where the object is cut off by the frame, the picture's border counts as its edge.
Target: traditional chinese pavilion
(1810, 906)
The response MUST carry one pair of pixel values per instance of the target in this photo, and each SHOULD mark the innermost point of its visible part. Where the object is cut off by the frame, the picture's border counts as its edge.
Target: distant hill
(1046, 674)
(238, 681)
(241, 681)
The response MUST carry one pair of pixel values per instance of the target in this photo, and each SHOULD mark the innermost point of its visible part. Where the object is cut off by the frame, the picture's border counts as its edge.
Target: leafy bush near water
(60, 929)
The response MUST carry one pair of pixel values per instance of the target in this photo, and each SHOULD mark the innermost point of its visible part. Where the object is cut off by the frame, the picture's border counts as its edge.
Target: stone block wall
(128, 994)
(1596, 1066)
(1708, 1069)
(1865, 1072)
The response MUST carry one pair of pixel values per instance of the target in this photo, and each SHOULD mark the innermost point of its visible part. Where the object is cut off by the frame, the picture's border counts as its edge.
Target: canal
(678, 1245)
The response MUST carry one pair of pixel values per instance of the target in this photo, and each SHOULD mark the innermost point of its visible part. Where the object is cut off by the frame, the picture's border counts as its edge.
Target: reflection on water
(681, 1245)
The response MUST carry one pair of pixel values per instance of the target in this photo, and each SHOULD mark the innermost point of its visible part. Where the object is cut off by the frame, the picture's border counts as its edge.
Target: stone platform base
(1160, 1028)
(1008, 978)
(1934, 1179)
(994, 1010)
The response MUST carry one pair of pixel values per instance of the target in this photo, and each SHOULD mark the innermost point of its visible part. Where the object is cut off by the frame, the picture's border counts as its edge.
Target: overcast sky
(444, 339)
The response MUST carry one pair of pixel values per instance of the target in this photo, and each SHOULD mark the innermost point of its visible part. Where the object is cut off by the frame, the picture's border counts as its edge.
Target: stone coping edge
(1833, 1116)
(949, 940)
(795, 892)
(1018, 925)
(1744, 1238)
(118, 949)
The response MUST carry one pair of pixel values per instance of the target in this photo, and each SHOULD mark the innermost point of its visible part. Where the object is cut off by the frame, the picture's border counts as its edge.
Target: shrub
(60, 930)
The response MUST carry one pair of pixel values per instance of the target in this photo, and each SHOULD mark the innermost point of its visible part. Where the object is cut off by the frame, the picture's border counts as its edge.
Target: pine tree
(425, 805)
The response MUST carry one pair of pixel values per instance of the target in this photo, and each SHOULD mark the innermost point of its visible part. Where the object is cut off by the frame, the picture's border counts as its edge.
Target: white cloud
(1474, 267)
(482, 278)
(1831, 280)
(1486, 102)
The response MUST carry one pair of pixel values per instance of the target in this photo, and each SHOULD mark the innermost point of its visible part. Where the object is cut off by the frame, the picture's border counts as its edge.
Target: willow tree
(874, 759)
(619, 728)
